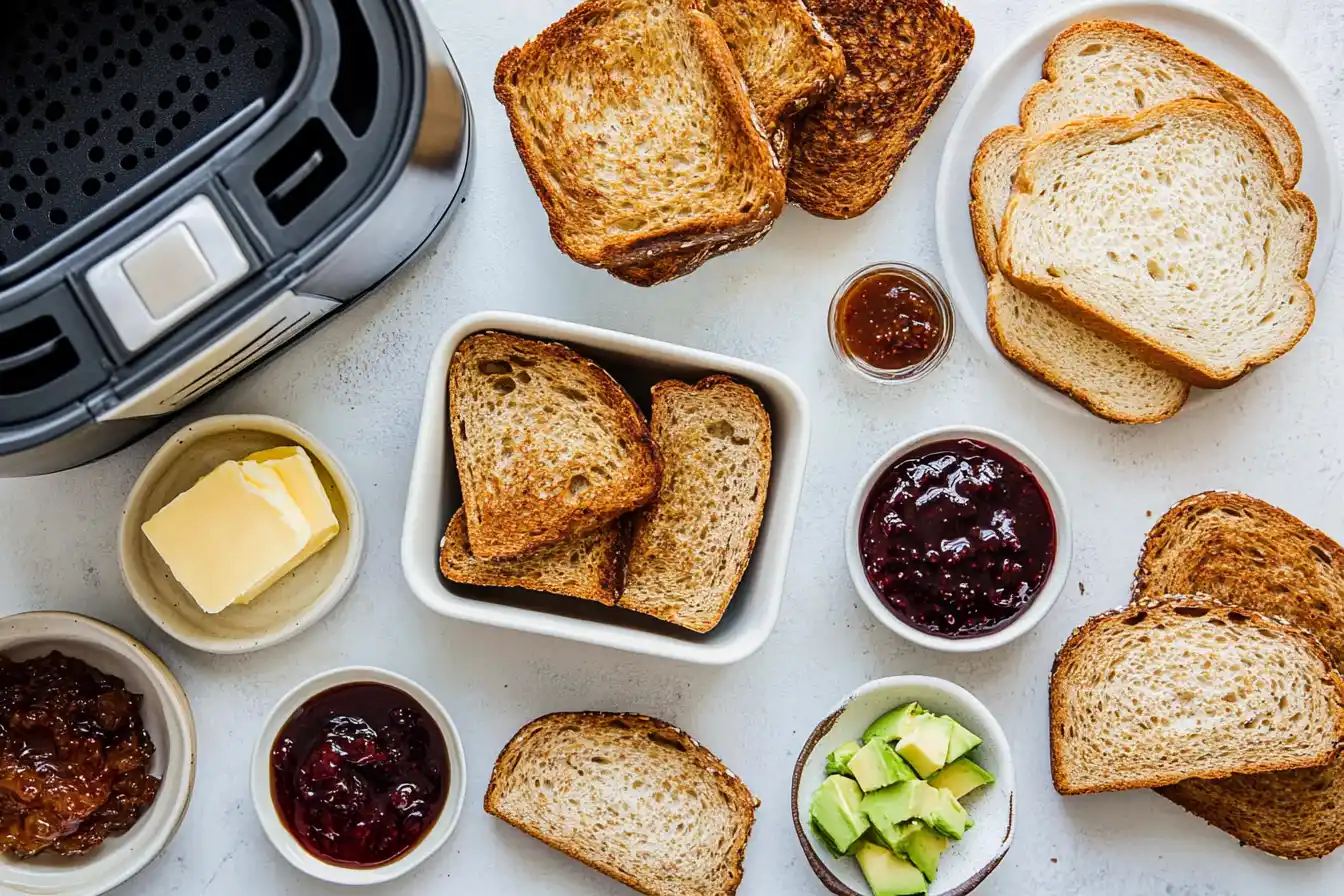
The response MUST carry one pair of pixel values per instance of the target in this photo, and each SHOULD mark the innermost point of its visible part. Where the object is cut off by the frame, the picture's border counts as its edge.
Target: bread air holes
(1191, 612)
(494, 368)
(578, 485)
(504, 385)
(1320, 555)
(664, 741)
(571, 393)
(1135, 619)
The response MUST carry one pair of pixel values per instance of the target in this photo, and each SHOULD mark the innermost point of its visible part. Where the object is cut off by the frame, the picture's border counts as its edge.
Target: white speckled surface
(357, 385)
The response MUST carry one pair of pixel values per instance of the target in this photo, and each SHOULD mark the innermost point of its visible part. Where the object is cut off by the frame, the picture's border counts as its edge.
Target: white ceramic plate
(167, 717)
(994, 103)
(636, 363)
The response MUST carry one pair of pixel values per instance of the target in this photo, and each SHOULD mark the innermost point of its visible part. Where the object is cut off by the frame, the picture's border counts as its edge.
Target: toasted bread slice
(549, 447)
(902, 57)
(1108, 380)
(1184, 687)
(635, 127)
(692, 545)
(1207, 276)
(1105, 67)
(631, 796)
(1233, 546)
(587, 567)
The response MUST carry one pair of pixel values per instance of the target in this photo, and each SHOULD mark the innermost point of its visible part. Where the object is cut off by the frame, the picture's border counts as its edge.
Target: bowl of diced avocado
(905, 788)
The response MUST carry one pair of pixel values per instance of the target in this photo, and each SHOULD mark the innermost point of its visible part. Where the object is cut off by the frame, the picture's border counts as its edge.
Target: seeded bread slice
(1108, 380)
(548, 445)
(1235, 547)
(692, 545)
(630, 796)
(1182, 688)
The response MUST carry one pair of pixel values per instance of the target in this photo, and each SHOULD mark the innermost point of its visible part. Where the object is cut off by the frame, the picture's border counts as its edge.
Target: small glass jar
(922, 281)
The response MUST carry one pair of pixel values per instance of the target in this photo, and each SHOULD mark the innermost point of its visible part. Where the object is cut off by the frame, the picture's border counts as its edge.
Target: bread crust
(743, 802)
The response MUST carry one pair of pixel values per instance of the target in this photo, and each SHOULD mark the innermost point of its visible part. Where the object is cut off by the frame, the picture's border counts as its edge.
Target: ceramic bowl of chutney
(358, 776)
(958, 539)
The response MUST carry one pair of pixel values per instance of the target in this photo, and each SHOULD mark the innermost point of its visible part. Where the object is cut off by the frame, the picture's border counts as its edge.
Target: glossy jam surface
(359, 773)
(889, 321)
(957, 538)
(74, 756)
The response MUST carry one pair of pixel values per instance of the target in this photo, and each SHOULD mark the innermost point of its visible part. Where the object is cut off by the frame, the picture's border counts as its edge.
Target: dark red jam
(359, 773)
(957, 538)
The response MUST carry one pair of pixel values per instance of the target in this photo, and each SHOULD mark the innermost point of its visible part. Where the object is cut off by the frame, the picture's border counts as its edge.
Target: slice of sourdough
(587, 567)
(631, 796)
(1171, 233)
(1105, 67)
(1179, 688)
(902, 57)
(691, 546)
(548, 445)
(1233, 546)
(1108, 380)
(635, 127)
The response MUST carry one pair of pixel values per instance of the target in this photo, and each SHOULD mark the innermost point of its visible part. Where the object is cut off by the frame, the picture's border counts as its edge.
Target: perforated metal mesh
(96, 95)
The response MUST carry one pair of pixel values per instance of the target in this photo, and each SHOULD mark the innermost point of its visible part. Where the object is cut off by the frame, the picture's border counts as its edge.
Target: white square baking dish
(637, 363)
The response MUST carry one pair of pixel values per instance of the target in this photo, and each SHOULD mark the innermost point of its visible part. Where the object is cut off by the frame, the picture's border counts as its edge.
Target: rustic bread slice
(631, 796)
(548, 445)
(634, 125)
(587, 567)
(902, 57)
(1236, 547)
(1105, 67)
(1172, 233)
(692, 545)
(1108, 380)
(1181, 688)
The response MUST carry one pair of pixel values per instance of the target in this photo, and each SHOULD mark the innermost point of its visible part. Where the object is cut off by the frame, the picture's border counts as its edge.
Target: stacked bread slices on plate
(1231, 702)
(568, 489)
(1139, 229)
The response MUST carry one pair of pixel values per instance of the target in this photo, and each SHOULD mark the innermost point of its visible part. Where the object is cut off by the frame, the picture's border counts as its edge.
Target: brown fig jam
(359, 773)
(957, 538)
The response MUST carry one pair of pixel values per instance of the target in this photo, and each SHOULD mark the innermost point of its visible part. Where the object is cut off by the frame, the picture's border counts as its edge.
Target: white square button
(169, 272)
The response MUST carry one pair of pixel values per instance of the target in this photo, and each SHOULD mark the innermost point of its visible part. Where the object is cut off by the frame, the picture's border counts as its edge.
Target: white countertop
(357, 385)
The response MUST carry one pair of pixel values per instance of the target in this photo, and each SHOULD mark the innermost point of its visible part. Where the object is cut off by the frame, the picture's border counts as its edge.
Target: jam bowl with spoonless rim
(891, 323)
(958, 539)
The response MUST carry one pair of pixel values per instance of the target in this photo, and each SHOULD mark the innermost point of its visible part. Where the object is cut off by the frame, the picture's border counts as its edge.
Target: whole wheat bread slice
(902, 57)
(1235, 547)
(1105, 67)
(631, 796)
(635, 127)
(1108, 380)
(1179, 688)
(548, 445)
(691, 546)
(1172, 233)
(587, 567)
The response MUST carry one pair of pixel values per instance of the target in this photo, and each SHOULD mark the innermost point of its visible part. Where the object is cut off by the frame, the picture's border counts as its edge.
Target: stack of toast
(1139, 230)
(567, 488)
(659, 134)
(1230, 703)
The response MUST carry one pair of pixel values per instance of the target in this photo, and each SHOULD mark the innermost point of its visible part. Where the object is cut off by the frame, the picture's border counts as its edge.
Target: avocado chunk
(894, 725)
(836, 816)
(925, 748)
(888, 874)
(888, 808)
(960, 777)
(947, 817)
(876, 765)
(923, 847)
(962, 741)
(837, 763)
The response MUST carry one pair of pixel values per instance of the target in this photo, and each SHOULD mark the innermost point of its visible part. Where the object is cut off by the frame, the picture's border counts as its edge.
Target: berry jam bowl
(958, 539)
(358, 776)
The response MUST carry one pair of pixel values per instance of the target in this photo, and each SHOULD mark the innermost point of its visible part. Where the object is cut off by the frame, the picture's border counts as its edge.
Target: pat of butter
(295, 468)
(231, 535)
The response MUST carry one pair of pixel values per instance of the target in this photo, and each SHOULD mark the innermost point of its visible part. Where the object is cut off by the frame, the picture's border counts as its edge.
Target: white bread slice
(1108, 380)
(1168, 690)
(1105, 67)
(1172, 233)
(631, 796)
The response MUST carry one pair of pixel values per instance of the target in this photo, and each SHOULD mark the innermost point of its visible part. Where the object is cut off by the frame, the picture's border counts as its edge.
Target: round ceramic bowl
(1050, 589)
(264, 800)
(967, 862)
(915, 372)
(289, 606)
(167, 717)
